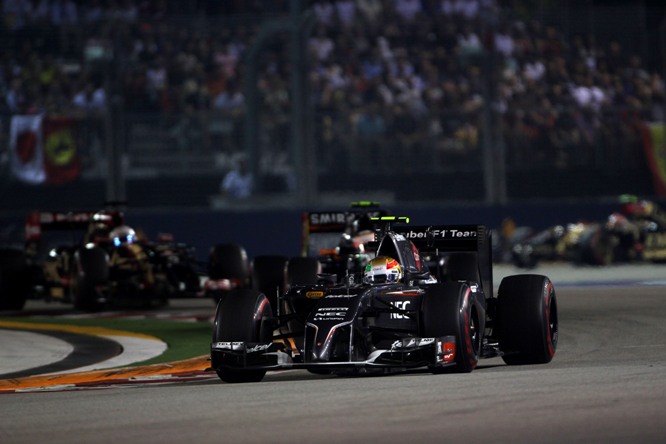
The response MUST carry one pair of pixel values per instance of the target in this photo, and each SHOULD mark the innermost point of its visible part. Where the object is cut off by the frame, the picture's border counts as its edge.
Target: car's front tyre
(527, 319)
(242, 316)
(448, 309)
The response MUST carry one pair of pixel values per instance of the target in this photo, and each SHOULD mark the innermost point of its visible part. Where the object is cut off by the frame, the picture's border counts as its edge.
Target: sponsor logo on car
(330, 218)
(412, 343)
(228, 345)
(258, 348)
(338, 217)
(331, 313)
(449, 233)
(400, 305)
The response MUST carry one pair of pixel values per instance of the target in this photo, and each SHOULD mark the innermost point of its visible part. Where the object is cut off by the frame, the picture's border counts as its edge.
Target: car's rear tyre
(527, 321)
(303, 271)
(14, 279)
(228, 261)
(269, 276)
(91, 271)
(596, 247)
(448, 310)
(243, 316)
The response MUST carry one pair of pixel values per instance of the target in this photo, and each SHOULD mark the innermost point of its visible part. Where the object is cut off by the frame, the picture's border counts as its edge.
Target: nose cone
(327, 343)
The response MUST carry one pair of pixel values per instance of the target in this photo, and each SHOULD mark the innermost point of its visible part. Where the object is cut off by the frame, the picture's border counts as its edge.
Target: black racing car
(637, 232)
(46, 265)
(360, 326)
(66, 258)
(338, 240)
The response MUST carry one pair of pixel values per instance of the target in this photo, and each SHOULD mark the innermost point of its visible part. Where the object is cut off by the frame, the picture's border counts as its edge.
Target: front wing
(405, 353)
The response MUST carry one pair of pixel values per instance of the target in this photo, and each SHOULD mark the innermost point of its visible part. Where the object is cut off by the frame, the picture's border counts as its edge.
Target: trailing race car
(44, 266)
(580, 243)
(334, 243)
(393, 316)
(636, 232)
(641, 228)
(339, 240)
(75, 257)
(130, 271)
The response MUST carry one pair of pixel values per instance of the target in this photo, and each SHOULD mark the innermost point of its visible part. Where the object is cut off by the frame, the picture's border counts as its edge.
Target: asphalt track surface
(607, 383)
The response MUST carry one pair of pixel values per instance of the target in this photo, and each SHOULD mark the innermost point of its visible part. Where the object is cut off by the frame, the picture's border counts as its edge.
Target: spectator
(238, 183)
(346, 12)
(324, 12)
(374, 59)
(370, 12)
(321, 46)
(91, 99)
(407, 10)
(15, 98)
(230, 100)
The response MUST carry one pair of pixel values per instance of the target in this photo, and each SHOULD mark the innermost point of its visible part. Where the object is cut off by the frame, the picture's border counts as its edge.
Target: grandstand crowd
(405, 79)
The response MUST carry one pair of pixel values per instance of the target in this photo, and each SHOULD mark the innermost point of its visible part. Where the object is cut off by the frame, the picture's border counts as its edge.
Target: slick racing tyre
(14, 279)
(228, 261)
(269, 276)
(448, 309)
(527, 319)
(90, 273)
(595, 248)
(303, 271)
(243, 316)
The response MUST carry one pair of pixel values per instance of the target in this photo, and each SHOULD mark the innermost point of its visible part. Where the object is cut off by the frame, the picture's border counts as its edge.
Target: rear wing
(39, 221)
(432, 238)
(440, 239)
(328, 224)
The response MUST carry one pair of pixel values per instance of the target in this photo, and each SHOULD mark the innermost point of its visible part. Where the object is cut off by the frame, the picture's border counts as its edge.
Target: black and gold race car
(636, 232)
(69, 257)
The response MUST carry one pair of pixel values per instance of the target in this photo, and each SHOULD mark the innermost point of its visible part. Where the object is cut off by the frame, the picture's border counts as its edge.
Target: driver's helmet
(347, 245)
(122, 236)
(98, 233)
(642, 208)
(616, 220)
(382, 269)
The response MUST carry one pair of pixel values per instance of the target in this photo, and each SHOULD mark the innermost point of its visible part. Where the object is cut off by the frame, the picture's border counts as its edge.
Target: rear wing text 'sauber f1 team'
(442, 239)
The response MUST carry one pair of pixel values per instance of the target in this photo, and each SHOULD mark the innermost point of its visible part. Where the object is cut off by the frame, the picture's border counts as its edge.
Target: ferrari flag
(44, 149)
(61, 159)
(25, 148)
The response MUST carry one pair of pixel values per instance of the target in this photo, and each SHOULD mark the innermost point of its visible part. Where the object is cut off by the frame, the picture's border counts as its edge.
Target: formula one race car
(394, 316)
(44, 266)
(586, 243)
(640, 227)
(636, 232)
(71, 257)
(339, 239)
(334, 243)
